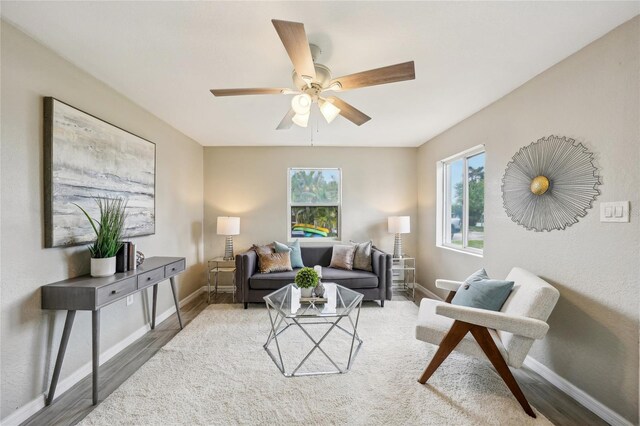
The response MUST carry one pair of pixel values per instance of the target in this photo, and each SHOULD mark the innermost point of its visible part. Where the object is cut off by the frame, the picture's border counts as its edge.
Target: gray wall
(251, 183)
(593, 97)
(30, 335)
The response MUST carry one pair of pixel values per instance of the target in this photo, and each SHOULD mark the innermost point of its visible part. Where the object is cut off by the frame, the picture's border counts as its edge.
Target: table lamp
(228, 226)
(398, 225)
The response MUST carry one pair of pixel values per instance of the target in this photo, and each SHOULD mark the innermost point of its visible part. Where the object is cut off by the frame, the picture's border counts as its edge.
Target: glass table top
(340, 301)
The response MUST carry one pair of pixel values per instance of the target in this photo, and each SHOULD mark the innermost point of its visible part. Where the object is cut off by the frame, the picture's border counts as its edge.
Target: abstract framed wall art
(549, 184)
(86, 157)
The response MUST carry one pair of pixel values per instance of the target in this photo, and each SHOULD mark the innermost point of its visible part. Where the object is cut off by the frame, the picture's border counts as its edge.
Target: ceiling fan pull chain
(311, 135)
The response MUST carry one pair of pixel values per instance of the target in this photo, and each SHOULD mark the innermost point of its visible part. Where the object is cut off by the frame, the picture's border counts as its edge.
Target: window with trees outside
(461, 201)
(315, 197)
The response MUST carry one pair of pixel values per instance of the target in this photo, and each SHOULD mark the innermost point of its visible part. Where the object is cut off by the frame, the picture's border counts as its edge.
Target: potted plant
(306, 279)
(109, 230)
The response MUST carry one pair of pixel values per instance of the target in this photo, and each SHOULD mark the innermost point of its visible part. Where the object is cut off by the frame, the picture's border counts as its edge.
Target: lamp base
(397, 247)
(228, 249)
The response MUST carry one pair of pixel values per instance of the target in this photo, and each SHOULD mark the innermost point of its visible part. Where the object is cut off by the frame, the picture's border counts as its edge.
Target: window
(315, 196)
(461, 201)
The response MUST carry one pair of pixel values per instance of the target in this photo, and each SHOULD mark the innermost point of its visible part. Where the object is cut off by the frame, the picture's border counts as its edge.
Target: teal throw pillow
(479, 291)
(296, 254)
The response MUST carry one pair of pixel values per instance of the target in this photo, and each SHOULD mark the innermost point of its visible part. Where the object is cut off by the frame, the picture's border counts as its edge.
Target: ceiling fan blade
(255, 91)
(296, 44)
(350, 113)
(287, 121)
(384, 75)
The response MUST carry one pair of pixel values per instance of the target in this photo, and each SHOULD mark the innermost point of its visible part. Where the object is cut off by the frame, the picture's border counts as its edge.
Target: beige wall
(252, 183)
(30, 336)
(593, 97)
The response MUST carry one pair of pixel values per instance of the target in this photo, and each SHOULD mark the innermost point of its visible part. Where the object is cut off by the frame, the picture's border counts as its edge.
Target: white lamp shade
(399, 224)
(301, 119)
(329, 111)
(301, 103)
(228, 225)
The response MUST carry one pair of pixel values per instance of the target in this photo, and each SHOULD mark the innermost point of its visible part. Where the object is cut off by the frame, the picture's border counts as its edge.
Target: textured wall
(252, 183)
(593, 97)
(30, 336)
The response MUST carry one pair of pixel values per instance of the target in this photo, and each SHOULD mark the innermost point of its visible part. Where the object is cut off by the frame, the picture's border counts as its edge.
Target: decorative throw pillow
(274, 262)
(479, 291)
(266, 249)
(294, 249)
(362, 256)
(342, 257)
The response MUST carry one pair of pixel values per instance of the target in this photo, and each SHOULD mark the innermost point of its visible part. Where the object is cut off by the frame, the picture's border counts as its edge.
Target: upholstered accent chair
(505, 337)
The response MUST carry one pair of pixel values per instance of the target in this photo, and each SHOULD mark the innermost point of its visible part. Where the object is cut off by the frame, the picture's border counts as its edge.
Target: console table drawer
(150, 277)
(115, 291)
(174, 268)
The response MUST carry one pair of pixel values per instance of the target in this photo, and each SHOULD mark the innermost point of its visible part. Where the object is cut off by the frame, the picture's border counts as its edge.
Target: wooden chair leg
(458, 330)
(450, 296)
(484, 339)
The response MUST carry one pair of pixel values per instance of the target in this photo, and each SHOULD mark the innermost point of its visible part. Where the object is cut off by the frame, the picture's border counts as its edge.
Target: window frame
(290, 205)
(443, 202)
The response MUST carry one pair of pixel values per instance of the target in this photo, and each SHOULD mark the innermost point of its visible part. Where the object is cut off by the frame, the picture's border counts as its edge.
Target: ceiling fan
(311, 80)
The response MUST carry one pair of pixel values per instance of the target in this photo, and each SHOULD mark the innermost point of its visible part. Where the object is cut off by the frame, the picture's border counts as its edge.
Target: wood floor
(73, 405)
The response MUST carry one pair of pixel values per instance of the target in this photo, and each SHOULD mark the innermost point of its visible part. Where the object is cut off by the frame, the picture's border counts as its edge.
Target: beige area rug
(216, 372)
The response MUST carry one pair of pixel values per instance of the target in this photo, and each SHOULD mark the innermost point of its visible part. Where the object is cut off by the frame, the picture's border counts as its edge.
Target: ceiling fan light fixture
(329, 111)
(301, 119)
(301, 104)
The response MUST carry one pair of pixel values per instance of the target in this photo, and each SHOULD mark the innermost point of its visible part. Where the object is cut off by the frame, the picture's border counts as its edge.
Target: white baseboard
(424, 290)
(37, 404)
(428, 292)
(595, 406)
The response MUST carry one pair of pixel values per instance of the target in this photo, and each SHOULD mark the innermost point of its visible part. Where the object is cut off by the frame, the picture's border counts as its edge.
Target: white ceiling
(165, 56)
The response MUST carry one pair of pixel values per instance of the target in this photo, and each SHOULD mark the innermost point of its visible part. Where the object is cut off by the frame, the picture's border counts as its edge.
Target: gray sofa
(374, 285)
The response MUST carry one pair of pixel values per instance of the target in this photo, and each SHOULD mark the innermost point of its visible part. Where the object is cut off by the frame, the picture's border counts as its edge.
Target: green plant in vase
(109, 231)
(306, 279)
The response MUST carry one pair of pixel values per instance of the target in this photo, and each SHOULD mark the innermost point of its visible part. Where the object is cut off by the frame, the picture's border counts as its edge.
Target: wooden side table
(216, 266)
(403, 271)
(86, 293)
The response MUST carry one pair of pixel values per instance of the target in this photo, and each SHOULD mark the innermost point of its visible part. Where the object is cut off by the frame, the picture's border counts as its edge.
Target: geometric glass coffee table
(286, 310)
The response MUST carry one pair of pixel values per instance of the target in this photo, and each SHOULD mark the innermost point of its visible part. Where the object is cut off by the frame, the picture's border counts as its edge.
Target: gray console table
(86, 293)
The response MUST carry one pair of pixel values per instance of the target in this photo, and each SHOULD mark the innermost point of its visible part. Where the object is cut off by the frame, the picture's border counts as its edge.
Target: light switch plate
(129, 300)
(616, 211)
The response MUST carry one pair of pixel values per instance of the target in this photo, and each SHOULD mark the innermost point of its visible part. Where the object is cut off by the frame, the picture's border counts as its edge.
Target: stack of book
(126, 257)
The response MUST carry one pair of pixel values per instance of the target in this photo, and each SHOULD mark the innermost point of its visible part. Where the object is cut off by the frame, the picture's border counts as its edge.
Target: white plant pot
(306, 292)
(103, 267)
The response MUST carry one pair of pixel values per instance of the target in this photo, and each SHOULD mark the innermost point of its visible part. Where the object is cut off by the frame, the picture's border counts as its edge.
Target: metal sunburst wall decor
(549, 184)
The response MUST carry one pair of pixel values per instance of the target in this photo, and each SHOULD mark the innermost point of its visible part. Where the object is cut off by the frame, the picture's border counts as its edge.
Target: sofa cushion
(294, 249)
(266, 249)
(317, 255)
(272, 281)
(362, 256)
(342, 256)
(478, 291)
(349, 279)
(274, 262)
